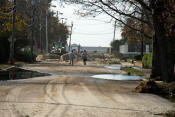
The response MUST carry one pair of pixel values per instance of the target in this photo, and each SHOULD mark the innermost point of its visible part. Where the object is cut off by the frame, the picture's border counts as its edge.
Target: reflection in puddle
(117, 77)
(114, 67)
(119, 66)
(18, 73)
(137, 68)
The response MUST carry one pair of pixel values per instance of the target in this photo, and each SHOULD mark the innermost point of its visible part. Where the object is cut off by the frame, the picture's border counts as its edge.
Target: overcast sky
(88, 31)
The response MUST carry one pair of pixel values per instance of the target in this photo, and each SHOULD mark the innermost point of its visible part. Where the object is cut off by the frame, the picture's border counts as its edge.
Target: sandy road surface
(73, 96)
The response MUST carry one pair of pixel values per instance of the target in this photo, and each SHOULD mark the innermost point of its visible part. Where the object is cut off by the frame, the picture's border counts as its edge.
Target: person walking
(84, 54)
(71, 57)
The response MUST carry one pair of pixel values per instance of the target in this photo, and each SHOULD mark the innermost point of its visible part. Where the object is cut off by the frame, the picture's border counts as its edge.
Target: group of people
(72, 56)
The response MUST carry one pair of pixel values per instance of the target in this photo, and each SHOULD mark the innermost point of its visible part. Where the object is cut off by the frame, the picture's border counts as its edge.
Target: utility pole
(70, 36)
(114, 29)
(33, 2)
(40, 37)
(12, 40)
(32, 33)
(46, 32)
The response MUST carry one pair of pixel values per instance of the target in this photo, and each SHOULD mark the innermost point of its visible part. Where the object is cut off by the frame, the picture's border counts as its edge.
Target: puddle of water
(72, 74)
(18, 73)
(114, 67)
(117, 77)
(119, 66)
(137, 68)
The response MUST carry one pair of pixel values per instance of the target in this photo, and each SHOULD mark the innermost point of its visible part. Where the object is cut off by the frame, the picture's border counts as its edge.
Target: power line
(106, 30)
(93, 33)
(90, 19)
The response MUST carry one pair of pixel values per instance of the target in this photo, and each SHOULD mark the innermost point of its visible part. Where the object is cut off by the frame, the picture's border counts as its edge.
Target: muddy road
(66, 95)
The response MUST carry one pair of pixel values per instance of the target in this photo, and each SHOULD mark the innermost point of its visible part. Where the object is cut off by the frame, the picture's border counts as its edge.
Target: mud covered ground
(66, 95)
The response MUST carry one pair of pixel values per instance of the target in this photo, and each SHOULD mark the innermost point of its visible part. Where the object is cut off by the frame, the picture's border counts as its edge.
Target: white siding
(124, 49)
(94, 49)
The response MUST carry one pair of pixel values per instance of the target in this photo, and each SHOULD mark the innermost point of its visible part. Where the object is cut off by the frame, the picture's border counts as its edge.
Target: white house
(89, 49)
(133, 49)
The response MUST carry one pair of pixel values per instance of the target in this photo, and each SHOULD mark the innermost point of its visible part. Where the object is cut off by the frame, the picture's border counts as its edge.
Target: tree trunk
(164, 42)
(156, 65)
(167, 60)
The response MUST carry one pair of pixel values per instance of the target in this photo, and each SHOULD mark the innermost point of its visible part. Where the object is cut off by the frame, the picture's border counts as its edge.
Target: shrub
(147, 60)
(26, 56)
(138, 57)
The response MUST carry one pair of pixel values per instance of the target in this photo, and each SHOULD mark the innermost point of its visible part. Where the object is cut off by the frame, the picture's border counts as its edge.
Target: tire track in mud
(65, 97)
(103, 93)
(48, 94)
(4, 108)
(14, 99)
(11, 104)
(51, 97)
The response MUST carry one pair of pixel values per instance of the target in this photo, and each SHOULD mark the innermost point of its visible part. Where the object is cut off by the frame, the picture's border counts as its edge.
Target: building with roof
(89, 49)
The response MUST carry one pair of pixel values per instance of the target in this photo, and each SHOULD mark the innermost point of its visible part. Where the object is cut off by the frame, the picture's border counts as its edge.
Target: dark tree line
(30, 19)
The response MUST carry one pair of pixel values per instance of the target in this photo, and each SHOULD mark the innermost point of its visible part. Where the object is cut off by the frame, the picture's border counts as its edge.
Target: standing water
(18, 73)
(117, 77)
(114, 67)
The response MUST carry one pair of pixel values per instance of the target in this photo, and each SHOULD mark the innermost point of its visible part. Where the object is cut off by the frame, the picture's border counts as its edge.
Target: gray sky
(88, 31)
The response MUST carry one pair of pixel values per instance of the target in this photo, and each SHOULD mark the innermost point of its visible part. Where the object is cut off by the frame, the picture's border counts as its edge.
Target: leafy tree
(58, 32)
(23, 26)
(135, 36)
(116, 44)
(6, 29)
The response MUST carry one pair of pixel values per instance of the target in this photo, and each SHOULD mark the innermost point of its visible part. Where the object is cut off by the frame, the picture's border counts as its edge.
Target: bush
(4, 49)
(26, 56)
(138, 57)
(147, 60)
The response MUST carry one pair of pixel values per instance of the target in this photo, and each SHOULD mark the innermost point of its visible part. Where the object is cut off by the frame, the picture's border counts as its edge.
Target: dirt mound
(163, 89)
(147, 87)
(47, 56)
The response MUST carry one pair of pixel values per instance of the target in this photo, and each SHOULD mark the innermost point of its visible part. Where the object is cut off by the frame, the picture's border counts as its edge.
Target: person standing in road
(71, 57)
(84, 54)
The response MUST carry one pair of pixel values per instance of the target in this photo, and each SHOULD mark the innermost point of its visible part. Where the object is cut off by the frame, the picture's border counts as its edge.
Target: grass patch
(132, 71)
(147, 60)
(4, 66)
